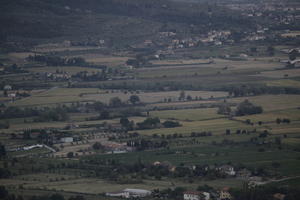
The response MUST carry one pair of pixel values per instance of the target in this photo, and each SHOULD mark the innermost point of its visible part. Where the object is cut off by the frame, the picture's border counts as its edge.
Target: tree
(181, 96)
(170, 124)
(57, 197)
(205, 188)
(3, 192)
(247, 108)
(98, 146)
(2, 151)
(78, 197)
(115, 102)
(124, 122)
(98, 106)
(271, 50)
(104, 114)
(293, 55)
(253, 49)
(228, 131)
(278, 120)
(224, 109)
(70, 155)
(149, 123)
(134, 99)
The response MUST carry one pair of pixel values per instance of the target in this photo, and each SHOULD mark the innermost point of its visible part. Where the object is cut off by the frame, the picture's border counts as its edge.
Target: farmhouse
(224, 194)
(7, 87)
(66, 139)
(195, 195)
(227, 169)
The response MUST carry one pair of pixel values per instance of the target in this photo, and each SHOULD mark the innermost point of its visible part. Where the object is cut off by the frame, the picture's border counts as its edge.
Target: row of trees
(58, 61)
(41, 114)
(5, 195)
(244, 108)
(151, 123)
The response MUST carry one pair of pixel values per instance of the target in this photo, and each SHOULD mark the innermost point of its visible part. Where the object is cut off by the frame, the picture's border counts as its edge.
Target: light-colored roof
(140, 191)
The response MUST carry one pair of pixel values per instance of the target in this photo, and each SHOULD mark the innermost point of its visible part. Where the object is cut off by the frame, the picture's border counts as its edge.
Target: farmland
(163, 98)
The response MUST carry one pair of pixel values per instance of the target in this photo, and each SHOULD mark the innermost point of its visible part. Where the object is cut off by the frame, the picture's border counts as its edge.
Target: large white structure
(127, 193)
(66, 139)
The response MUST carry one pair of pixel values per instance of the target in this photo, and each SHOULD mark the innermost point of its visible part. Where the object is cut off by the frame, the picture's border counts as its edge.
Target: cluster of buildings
(195, 195)
(188, 195)
(57, 76)
(198, 195)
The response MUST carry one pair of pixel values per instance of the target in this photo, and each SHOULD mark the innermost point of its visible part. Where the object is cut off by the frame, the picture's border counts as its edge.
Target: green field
(73, 95)
(188, 114)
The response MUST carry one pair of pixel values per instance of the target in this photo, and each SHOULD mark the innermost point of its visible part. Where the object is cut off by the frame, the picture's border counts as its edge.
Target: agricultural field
(279, 102)
(69, 70)
(73, 95)
(187, 114)
(163, 98)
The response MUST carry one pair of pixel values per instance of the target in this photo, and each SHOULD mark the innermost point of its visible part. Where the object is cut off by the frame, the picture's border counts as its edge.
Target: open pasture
(272, 102)
(69, 95)
(180, 62)
(292, 114)
(153, 97)
(170, 105)
(219, 66)
(99, 186)
(284, 73)
(176, 71)
(55, 96)
(70, 70)
(105, 60)
(284, 83)
(291, 130)
(188, 114)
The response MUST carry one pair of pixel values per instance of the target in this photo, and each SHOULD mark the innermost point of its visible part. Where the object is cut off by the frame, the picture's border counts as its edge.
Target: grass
(292, 114)
(70, 70)
(187, 114)
(272, 102)
(69, 95)
(105, 60)
(284, 83)
(99, 186)
(281, 73)
(55, 96)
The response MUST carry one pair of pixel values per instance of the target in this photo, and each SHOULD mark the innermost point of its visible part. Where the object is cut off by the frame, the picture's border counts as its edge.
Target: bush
(171, 124)
(247, 108)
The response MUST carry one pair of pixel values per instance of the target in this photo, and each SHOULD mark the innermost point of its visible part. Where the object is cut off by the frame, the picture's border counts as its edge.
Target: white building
(127, 193)
(7, 87)
(227, 169)
(121, 194)
(66, 139)
(137, 192)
